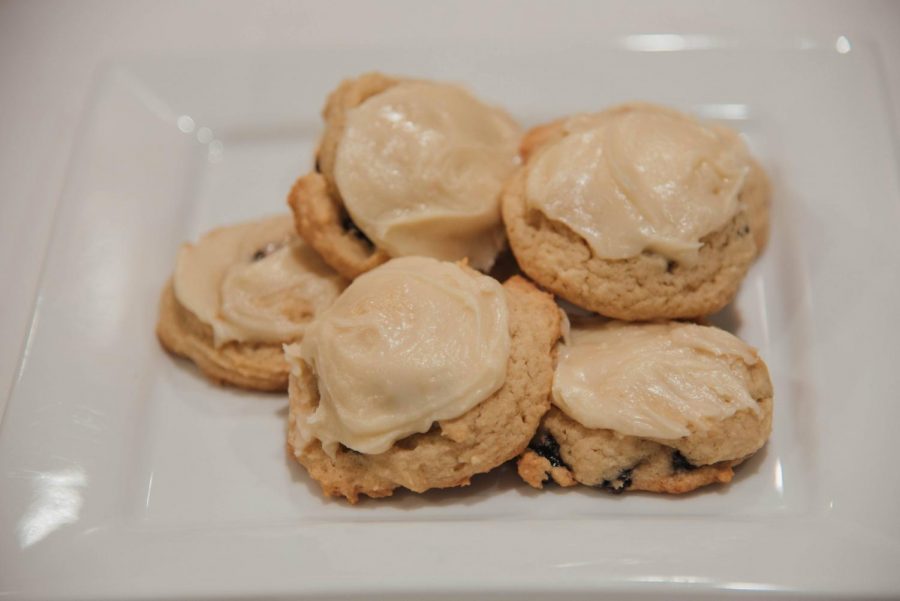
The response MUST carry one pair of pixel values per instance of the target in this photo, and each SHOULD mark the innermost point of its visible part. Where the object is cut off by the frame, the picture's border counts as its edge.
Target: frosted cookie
(422, 374)
(238, 295)
(406, 167)
(637, 212)
(661, 407)
(756, 195)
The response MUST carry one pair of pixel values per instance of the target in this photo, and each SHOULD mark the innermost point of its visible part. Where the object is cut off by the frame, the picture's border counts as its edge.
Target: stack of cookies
(409, 364)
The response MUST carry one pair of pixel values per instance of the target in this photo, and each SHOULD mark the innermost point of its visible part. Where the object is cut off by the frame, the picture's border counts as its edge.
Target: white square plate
(125, 474)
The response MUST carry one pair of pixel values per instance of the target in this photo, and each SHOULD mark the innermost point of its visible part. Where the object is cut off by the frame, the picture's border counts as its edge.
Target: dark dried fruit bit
(266, 250)
(547, 447)
(670, 266)
(620, 484)
(348, 224)
(745, 230)
(680, 463)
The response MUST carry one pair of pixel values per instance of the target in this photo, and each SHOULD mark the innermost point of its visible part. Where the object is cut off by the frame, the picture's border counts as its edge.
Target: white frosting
(248, 297)
(659, 380)
(640, 177)
(407, 344)
(420, 168)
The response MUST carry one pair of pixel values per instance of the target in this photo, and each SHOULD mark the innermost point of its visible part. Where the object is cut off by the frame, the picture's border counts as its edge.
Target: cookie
(250, 366)
(594, 246)
(568, 452)
(452, 450)
(406, 168)
(757, 197)
(238, 295)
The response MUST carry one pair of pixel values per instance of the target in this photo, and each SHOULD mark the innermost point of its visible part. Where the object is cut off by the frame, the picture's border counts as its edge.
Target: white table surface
(50, 51)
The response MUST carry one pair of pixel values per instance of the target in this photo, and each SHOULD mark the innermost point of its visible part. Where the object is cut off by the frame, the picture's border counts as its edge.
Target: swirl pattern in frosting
(407, 344)
(654, 380)
(640, 177)
(254, 282)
